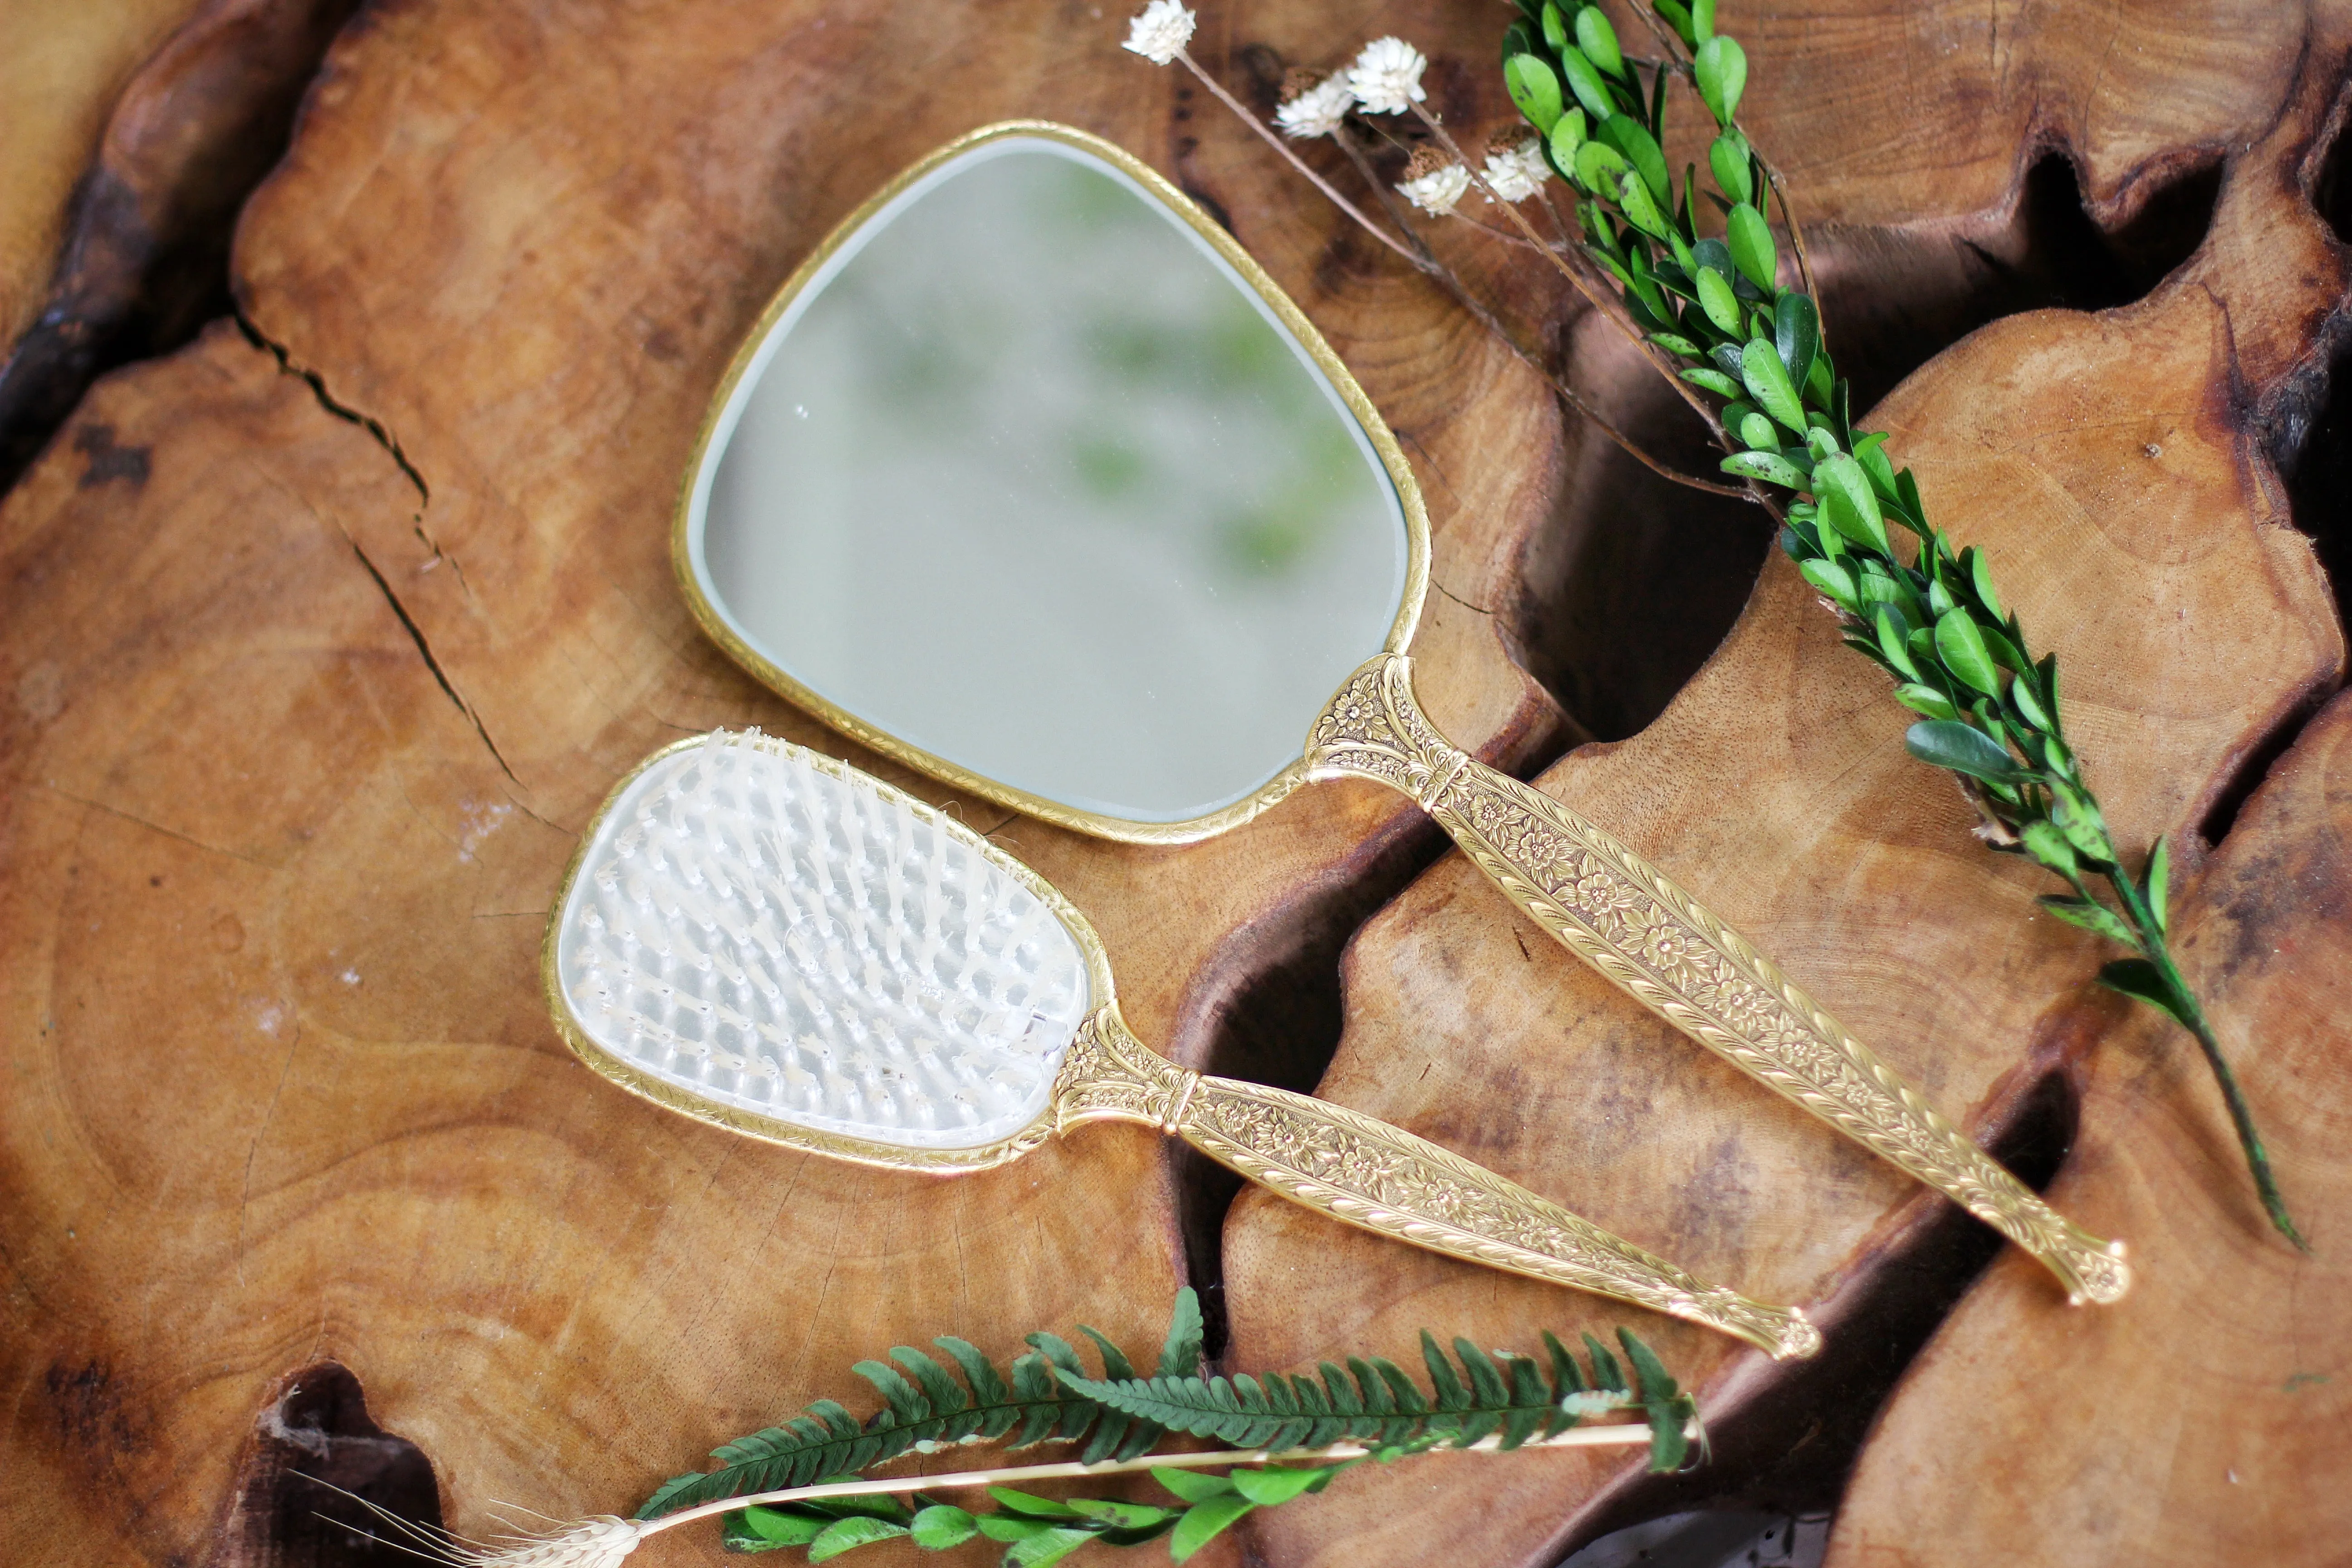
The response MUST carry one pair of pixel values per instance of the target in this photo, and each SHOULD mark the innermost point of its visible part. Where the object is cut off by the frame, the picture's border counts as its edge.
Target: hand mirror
(1030, 478)
(770, 940)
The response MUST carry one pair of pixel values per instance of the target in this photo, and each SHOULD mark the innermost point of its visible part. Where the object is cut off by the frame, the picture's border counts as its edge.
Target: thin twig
(1605, 1435)
(1451, 281)
(1796, 239)
(1294, 159)
(1608, 307)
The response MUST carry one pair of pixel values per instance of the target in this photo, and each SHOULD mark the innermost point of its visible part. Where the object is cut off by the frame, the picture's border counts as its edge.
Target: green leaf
(2092, 917)
(1715, 381)
(1840, 482)
(1586, 83)
(2029, 707)
(1180, 1355)
(1677, 15)
(1888, 624)
(1753, 251)
(1797, 333)
(942, 1525)
(1729, 157)
(1961, 646)
(1048, 1546)
(1716, 297)
(1607, 1376)
(2159, 873)
(1012, 1526)
(2048, 847)
(1567, 136)
(1702, 20)
(1127, 1515)
(1658, 1386)
(1022, 1502)
(1770, 467)
(1597, 39)
(1963, 748)
(1758, 432)
(1980, 578)
(1675, 344)
(1628, 136)
(1641, 211)
(779, 1528)
(1191, 1485)
(2077, 816)
(1926, 700)
(1599, 167)
(848, 1535)
(1832, 578)
(1534, 86)
(1555, 27)
(1204, 1521)
(1277, 1483)
(1721, 67)
(1768, 382)
(2137, 978)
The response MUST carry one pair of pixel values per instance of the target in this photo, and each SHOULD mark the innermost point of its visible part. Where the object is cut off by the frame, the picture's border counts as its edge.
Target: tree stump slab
(322, 639)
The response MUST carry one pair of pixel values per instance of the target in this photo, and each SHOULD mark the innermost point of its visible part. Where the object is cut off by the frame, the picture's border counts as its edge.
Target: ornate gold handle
(1629, 921)
(1385, 1180)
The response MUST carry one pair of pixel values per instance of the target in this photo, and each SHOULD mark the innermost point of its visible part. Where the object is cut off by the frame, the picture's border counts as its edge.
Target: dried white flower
(1386, 77)
(1434, 187)
(1317, 111)
(1514, 173)
(1159, 31)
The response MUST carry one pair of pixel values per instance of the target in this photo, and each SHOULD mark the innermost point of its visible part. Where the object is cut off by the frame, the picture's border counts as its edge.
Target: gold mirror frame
(768, 674)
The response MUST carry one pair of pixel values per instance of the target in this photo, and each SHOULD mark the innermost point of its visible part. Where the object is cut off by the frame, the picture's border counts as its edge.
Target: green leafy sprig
(1930, 617)
(1290, 1437)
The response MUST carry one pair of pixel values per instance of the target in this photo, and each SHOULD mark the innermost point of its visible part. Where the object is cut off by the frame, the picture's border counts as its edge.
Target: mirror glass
(1027, 476)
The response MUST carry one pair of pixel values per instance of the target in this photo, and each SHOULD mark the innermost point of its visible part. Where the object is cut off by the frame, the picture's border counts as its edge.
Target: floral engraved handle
(1369, 1173)
(1386, 1179)
(1653, 940)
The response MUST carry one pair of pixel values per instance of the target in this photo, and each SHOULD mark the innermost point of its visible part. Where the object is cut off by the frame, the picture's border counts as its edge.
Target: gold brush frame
(1325, 1157)
(1600, 899)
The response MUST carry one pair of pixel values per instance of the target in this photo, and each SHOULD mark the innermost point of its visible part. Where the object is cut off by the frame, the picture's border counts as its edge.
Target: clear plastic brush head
(767, 931)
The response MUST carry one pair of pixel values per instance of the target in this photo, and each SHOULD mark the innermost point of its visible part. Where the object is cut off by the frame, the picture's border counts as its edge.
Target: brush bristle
(807, 943)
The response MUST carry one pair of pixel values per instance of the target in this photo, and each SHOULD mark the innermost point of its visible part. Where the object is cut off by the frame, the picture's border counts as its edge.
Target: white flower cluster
(1161, 30)
(1384, 80)
(1386, 77)
(1437, 191)
(1514, 173)
(1317, 111)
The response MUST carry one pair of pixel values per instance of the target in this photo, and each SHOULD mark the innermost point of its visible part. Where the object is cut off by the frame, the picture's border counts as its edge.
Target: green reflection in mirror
(1034, 481)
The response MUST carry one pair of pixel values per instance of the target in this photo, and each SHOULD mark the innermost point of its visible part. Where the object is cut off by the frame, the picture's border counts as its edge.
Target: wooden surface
(62, 66)
(308, 682)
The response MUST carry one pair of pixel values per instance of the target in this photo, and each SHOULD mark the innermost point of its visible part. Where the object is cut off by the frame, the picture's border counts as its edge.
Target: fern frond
(923, 1404)
(1472, 1394)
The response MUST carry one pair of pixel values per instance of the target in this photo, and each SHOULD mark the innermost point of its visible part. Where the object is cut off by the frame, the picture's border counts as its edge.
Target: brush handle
(1654, 941)
(1385, 1180)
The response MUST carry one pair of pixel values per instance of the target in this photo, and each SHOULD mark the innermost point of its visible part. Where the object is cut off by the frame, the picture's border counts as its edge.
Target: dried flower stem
(1417, 254)
(1451, 283)
(1295, 161)
(1585, 286)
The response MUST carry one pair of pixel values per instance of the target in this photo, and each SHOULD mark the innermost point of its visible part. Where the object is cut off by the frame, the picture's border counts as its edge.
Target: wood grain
(348, 688)
(316, 654)
(62, 66)
(2116, 466)
(2205, 1424)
